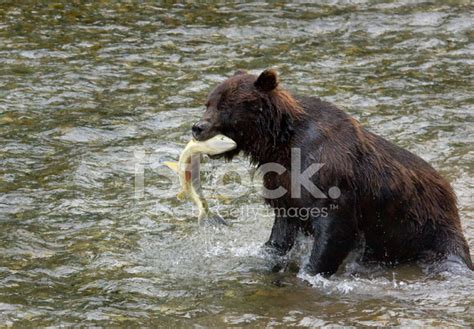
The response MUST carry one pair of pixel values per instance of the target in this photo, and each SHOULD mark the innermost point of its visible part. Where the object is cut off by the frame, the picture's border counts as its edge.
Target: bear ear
(239, 72)
(267, 81)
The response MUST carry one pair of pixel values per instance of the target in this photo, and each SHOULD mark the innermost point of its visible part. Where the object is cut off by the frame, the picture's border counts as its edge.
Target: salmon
(188, 168)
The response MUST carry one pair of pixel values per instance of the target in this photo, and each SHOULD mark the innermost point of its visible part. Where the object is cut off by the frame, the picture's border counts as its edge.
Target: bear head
(254, 111)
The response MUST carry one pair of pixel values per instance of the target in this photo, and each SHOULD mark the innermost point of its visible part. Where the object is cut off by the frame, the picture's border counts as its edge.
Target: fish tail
(172, 165)
(212, 219)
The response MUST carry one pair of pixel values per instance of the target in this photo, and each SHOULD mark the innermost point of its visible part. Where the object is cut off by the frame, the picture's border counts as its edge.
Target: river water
(94, 97)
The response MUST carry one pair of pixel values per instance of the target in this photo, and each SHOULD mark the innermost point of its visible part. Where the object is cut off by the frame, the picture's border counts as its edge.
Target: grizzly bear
(383, 195)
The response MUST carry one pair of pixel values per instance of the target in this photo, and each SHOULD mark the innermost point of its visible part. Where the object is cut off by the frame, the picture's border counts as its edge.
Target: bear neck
(268, 150)
(271, 140)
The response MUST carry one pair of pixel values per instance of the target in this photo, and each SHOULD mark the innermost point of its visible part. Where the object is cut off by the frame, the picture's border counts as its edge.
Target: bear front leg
(283, 235)
(333, 240)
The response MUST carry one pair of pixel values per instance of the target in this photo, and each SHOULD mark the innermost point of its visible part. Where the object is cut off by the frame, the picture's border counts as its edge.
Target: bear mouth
(216, 156)
(229, 155)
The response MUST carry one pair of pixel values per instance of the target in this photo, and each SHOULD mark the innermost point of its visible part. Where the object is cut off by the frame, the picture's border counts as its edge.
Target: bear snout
(200, 129)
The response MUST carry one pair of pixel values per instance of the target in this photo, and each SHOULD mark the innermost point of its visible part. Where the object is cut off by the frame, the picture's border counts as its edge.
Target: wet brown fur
(392, 199)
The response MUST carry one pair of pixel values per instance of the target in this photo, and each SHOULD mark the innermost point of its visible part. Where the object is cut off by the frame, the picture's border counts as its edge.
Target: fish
(188, 170)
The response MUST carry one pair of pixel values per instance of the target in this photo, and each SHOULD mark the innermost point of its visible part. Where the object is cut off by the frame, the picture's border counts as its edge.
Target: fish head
(218, 144)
